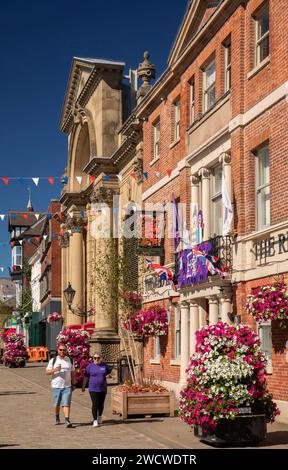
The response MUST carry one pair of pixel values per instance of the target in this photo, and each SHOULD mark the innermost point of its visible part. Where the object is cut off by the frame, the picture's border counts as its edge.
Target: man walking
(62, 370)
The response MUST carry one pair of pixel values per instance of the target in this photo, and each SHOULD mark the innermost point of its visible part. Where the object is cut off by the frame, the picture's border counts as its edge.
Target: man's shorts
(62, 396)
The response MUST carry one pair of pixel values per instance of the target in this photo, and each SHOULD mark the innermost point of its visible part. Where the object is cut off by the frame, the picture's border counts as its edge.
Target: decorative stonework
(102, 195)
(65, 240)
(76, 224)
(146, 72)
(205, 173)
(194, 180)
(79, 114)
(225, 158)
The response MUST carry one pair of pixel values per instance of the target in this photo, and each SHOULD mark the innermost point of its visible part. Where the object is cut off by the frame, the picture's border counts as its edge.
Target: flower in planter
(15, 352)
(226, 372)
(268, 303)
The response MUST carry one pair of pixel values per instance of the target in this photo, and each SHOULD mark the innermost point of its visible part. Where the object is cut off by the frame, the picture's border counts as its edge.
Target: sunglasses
(64, 350)
(96, 357)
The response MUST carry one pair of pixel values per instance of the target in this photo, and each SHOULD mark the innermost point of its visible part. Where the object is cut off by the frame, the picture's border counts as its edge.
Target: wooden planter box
(246, 430)
(127, 404)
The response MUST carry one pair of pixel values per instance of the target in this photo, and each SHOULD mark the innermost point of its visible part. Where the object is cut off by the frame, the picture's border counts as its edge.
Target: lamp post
(69, 294)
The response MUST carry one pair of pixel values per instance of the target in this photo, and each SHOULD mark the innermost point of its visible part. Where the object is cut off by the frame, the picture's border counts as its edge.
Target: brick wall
(163, 371)
(278, 380)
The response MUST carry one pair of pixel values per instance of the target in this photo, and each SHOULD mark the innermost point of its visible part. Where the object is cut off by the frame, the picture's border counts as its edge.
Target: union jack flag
(164, 273)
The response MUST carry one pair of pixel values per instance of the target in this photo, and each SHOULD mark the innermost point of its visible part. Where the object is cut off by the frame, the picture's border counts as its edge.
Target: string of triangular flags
(37, 215)
(65, 179)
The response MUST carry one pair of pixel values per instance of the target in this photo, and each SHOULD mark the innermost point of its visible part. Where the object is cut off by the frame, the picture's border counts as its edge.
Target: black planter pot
(245, 430)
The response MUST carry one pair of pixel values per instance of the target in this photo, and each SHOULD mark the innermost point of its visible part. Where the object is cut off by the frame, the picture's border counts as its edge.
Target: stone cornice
(77, 199)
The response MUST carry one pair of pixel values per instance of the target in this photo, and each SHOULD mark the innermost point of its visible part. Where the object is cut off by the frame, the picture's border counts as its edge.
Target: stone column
(202, 313)
(213, 311)
(76, 274)
(105, 339)
(64, 244)
(194, 325)
(184, 311)
(206, 203)
(226, 310)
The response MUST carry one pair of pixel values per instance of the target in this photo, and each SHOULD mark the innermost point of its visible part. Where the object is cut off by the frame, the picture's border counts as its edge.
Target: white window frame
(260, 188)
(177, 334)
(215, 196)
(268, 353)
(157, 350)
(15, 255)
(192, 101)
(228, 69)
(156, 140)
(260, 39)
(207, 89)
(177, 115)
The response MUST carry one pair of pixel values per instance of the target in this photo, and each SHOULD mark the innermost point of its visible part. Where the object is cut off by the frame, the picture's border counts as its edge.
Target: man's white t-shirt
(61, 379)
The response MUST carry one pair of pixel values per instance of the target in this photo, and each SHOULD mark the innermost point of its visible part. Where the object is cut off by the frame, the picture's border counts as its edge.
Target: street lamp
(69, 294)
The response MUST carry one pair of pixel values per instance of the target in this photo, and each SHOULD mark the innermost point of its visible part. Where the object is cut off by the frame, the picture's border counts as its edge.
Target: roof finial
(29, 205)
(146, 72)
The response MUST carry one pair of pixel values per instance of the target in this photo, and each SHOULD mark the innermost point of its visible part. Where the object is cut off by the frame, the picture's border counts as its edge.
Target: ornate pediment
(84, 76)
(197, 14)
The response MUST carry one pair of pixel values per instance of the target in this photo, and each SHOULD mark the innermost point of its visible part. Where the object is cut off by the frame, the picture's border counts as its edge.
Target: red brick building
(218, 114)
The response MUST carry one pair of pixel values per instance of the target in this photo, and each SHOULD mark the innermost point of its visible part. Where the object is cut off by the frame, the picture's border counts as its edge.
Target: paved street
(27, 421)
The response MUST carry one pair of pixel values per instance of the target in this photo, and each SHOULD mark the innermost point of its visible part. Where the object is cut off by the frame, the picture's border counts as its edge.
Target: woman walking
(95, 375)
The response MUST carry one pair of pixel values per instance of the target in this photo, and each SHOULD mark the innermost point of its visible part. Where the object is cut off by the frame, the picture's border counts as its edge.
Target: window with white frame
(262, 47)
(156, 140)
(177, 114)
(177, 338)
(17, 256)
(192, 101)
(157, 352)
(227, 49)
(209, 77)
(216, 200)
(262, 187)
(265, 335)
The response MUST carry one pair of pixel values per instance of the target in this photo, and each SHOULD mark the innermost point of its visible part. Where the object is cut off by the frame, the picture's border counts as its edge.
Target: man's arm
(51, 371)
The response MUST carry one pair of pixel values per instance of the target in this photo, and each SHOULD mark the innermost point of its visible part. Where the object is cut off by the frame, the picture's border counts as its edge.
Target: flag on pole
(164, 273)
(227, 207)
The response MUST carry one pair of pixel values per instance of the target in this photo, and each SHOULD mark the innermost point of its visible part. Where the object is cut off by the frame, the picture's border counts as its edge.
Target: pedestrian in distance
(96, 375)
(62, 370)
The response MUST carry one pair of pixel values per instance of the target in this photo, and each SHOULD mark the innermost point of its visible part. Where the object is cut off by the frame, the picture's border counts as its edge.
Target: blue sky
(37, 43)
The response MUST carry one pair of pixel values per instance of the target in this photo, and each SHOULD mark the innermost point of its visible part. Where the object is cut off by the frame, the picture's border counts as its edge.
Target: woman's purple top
(96, 374)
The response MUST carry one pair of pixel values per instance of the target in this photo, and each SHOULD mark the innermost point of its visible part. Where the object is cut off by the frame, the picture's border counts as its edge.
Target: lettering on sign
(271, 246)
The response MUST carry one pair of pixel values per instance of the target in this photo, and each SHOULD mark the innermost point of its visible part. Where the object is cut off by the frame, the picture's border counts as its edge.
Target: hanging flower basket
(152, 322)
(225, 375)
(54, 317)
(78, 346)
(269, 303)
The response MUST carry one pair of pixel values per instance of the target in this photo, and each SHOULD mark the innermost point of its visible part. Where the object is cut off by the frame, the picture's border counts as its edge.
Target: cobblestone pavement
(27, 421)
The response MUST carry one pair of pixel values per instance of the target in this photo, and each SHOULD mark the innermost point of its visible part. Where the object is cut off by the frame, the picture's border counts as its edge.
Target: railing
(195, 272)
(222, 248)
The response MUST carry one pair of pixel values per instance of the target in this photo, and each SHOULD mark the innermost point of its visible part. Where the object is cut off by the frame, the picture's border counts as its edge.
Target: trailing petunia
(226, 372)
(268, 303)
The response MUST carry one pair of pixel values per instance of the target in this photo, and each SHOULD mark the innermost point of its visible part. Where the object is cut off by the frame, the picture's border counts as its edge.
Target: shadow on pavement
(112, 422)
(15, 392)
(9, 445)
(275, 438)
